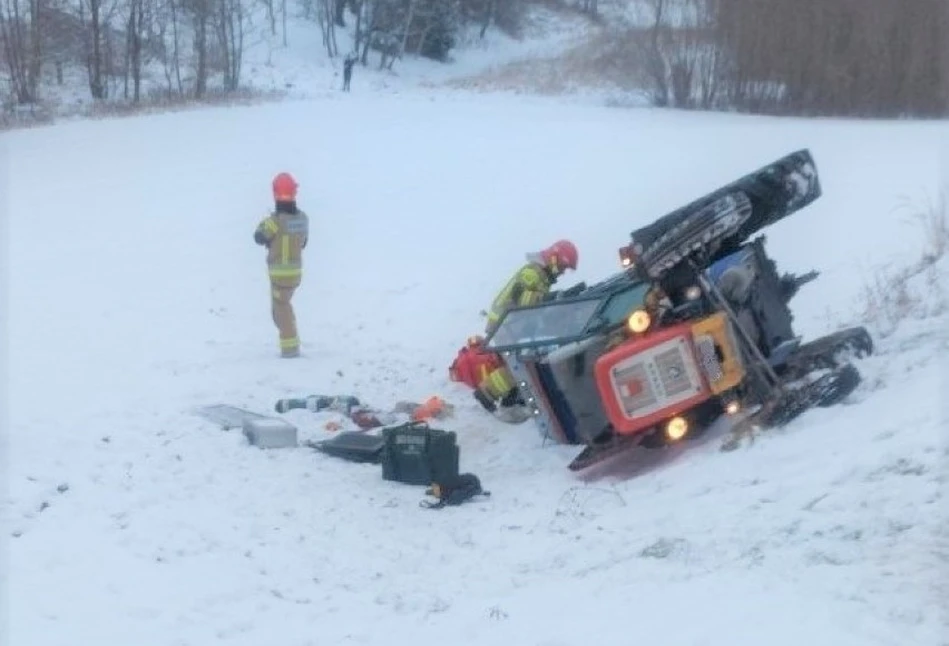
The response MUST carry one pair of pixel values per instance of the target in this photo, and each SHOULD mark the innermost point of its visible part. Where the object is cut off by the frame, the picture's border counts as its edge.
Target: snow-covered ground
(135, 293)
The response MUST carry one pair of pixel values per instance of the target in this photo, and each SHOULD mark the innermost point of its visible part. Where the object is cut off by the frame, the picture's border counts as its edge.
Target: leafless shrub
(160, 101)
(591, 64)
(675, 57)
(16, 116)
(153, 102)
(935, 223)
(917, 289)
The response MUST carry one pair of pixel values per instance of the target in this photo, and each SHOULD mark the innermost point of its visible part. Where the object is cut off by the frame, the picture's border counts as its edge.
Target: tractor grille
(705, 345)
(656, 378)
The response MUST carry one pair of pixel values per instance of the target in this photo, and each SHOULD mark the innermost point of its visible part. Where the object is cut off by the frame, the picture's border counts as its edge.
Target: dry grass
(153, 103)
(934, 220)
(595, 63)
(915, 290)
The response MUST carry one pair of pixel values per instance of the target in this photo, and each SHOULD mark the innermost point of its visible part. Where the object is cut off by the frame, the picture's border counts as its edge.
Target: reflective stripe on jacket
(528, 286)
(285, 235)
(496, 383)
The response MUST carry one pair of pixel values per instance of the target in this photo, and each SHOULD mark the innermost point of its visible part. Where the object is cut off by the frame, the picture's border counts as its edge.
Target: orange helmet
(561, 254)
(284, 188)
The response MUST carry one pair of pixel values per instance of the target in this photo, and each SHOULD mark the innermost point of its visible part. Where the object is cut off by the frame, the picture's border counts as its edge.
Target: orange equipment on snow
(284, 188)
(433, 407)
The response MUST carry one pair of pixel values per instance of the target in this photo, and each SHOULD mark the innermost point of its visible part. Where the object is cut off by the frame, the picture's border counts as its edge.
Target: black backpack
(454, 492)
(416, 454)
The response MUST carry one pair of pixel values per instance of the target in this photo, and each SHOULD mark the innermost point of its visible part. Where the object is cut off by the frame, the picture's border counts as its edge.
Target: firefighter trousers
(285, 319)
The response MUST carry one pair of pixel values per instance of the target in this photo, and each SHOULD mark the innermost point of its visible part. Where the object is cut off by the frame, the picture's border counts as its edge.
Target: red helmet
(562, 254)
(284, 188)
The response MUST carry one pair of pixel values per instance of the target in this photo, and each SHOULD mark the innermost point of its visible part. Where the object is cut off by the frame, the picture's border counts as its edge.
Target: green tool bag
(416, 454)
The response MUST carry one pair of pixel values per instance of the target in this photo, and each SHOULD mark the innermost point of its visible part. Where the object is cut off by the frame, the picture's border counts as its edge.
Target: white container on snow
(270, 433)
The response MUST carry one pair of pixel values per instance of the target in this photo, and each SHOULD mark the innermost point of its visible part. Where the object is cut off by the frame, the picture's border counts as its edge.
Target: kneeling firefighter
(485, 373)
(483, 370)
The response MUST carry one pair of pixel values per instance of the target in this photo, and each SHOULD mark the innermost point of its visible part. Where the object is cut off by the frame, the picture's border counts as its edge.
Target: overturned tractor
(696, 325)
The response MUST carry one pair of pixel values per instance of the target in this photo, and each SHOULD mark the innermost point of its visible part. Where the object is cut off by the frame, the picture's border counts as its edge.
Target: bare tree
(590, 7)
(92, 16)
(169, 20)
(283, 19)
(231, 29)
(272, 15)
(366, 28)
(672, 53)
(490, 7)
(326, 19)
(407, 27)
(200, 13)
(135, 28)
(20, 31)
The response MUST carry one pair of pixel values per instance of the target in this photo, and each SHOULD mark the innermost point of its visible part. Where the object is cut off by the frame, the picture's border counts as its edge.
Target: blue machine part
(568, 421)
(782, 352)
(717, 268)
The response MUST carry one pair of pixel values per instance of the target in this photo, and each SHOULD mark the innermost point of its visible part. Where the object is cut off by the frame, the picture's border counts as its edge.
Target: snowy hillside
(278, 60)
(135, 293)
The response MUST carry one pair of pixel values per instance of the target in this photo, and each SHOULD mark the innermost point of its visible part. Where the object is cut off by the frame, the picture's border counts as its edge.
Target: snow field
(136, 293)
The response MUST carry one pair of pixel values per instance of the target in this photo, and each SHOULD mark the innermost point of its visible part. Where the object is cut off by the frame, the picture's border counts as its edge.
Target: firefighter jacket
(481, 370)
(528, 286)
(285, 236)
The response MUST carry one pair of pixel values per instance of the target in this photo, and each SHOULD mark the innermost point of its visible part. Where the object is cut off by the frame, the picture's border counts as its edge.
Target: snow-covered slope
(299, 66)
(135, 293)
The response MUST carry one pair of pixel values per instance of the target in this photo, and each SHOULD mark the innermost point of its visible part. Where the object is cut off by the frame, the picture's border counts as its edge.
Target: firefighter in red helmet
(483, 370)
(532, 282)
(284, 233)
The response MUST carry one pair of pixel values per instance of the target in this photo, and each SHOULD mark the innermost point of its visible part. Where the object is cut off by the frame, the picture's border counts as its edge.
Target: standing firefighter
(532, 282)
(284, 232)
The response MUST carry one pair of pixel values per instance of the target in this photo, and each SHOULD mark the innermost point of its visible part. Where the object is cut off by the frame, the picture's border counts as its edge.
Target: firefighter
(284, 233)
(532, 282)
(485, 373)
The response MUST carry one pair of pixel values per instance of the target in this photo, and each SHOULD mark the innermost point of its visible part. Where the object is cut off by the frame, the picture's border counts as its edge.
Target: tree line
(114, 41)
(117, 43)
(857, 58)
(394, 28)
(867, 58)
